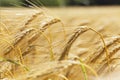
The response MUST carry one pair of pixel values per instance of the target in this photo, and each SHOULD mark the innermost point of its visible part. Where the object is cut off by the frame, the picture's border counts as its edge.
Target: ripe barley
(72, 39)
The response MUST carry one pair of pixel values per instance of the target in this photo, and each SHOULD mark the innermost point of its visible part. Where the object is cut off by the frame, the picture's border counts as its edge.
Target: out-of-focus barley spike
(63, 76)
(103, 67)
(5, 27)
(21, 35)
(31, 19)
(18, 38)
(114, 50)
(101, 49)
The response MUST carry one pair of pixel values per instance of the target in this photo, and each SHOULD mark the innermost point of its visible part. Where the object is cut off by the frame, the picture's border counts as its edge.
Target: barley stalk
(72, 39)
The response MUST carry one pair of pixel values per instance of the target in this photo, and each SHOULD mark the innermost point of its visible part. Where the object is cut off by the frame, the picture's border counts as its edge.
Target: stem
(106, 50)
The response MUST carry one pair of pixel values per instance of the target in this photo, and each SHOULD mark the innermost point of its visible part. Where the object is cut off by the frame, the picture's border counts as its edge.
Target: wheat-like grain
(72, 39)
(93, 57)
(103, 62)
(40, 32)
(54, 67)
(21, 35)
(33, 17)
(103, 67)
(114, 50)
(18, 38)
(29, 21)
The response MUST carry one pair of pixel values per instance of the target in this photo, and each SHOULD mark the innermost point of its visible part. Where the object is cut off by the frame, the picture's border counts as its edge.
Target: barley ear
(72, 39)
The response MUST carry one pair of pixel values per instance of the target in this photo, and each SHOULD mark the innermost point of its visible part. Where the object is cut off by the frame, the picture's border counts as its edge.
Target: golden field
(73, 43)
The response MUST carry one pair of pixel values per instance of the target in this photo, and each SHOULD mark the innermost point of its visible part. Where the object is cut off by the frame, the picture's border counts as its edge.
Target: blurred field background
(59, 2)
(20, 25)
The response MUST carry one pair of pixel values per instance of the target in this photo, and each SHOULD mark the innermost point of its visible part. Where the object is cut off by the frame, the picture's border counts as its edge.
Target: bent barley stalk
(72, 39)
(106, 49)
